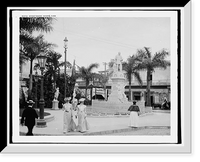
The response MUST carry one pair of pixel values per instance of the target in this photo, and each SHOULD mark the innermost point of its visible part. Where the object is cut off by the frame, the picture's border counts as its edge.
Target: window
(136, 96)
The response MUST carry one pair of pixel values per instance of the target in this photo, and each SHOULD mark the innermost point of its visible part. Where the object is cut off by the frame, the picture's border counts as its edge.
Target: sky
(99, 39)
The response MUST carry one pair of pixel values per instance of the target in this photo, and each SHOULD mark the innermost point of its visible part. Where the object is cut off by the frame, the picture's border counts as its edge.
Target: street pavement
(102, 125)
(153, 131)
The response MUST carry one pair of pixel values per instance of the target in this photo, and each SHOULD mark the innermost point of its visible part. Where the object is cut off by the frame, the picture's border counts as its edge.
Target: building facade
(160, 86)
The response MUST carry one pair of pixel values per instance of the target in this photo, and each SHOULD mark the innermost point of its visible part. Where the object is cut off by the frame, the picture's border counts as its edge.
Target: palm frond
(68, 64)
(159, 61)
(163, 64)
(137, 76)
(92, 66)
(39, 24)
(160, 55)
(148, 53)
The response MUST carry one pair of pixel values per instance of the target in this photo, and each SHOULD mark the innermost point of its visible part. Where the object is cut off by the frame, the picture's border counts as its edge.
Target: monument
(117, 95)
(117, 99)
(55, 100)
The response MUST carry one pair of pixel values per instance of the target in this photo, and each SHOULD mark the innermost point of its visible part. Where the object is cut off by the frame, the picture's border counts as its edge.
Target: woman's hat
(30, 102)
(82, 100)
(67, 98)
(75, 100)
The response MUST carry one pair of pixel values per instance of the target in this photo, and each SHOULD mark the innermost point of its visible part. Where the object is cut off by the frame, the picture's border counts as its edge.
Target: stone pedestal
(55, 105)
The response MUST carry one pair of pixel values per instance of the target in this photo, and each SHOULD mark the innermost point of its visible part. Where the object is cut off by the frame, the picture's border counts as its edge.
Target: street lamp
(41, 61)
(65, 46)
(36, 77)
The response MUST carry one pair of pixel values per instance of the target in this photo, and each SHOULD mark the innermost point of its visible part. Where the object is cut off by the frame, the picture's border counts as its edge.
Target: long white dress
(68, 124)
(82, 121)
(133, 120)
(75, 116)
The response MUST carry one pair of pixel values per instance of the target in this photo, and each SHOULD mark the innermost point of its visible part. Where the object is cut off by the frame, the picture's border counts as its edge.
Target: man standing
(29, 115)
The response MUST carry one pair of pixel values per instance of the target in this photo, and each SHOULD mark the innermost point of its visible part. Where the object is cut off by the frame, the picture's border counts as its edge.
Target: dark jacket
(29, 115)
(134, 108)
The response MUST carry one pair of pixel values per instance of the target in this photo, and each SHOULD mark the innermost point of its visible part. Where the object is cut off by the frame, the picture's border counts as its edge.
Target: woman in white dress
(82, 121)
(75, 112)
(68, 124)
(134, 110)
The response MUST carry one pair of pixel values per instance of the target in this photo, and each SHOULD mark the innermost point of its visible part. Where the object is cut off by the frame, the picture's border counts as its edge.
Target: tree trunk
(30, 81)
(148, 98)
(86, 92)
(105, 95)
(129, 91)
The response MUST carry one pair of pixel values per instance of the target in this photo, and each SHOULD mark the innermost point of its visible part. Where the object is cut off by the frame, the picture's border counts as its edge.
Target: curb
(103, 132)
(126, 130)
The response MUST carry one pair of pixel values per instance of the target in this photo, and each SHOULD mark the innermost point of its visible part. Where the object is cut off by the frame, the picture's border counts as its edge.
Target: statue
(118, 83)
(117, 66)
(55, 101)
(56, 94)
(118, 62)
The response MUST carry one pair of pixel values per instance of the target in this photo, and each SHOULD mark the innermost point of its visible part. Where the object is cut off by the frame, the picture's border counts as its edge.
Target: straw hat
(82, 100)
(67, 98)
(75, 100)
(30, 102)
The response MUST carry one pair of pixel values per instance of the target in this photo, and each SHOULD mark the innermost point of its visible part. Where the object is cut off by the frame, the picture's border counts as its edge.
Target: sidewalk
(100, 125)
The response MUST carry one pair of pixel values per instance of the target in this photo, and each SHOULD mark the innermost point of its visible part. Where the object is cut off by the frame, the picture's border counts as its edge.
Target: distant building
(160, 86)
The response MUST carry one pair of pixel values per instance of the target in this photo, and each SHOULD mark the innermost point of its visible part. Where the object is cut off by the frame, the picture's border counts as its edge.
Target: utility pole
(104, 63)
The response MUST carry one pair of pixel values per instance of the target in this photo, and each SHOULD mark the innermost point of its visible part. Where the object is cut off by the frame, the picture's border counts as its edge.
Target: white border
(98, 148)
(99, 139)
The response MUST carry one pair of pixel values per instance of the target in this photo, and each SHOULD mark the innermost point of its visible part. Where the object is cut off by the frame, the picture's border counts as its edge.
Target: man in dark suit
(28, 116)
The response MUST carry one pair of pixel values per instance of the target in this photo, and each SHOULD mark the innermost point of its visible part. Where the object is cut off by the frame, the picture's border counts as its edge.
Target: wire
(98, 39)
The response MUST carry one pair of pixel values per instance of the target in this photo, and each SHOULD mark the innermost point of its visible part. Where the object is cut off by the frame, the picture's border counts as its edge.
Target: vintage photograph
(95, 76)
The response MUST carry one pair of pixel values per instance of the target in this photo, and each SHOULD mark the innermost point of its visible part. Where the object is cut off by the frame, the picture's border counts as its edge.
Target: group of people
(74, 117)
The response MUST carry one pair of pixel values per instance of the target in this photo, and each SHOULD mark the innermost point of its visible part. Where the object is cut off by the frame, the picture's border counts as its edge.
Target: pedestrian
(165, 104)
(134, 111)
(82, 120)
(29, 116)
(75, 111)
(68, 124)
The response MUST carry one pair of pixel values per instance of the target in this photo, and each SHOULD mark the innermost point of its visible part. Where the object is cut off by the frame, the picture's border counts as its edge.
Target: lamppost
(36, 77)
(65, 46)
(41, 61)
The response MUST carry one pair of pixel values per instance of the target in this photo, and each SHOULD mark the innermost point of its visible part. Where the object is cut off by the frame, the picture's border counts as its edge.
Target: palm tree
(27, 26)
(87, 75)
(53, 65)
(28, 45)
(32, 50)
(131, 69)
(103, 81)
(149, 62)
(31, 24)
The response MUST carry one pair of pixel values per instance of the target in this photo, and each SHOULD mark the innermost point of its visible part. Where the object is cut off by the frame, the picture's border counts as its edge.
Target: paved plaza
(102, 125)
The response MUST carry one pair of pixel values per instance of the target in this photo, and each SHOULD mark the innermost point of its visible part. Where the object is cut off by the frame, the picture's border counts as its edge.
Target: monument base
(111, 107)
(114, 107)
(55, 105)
